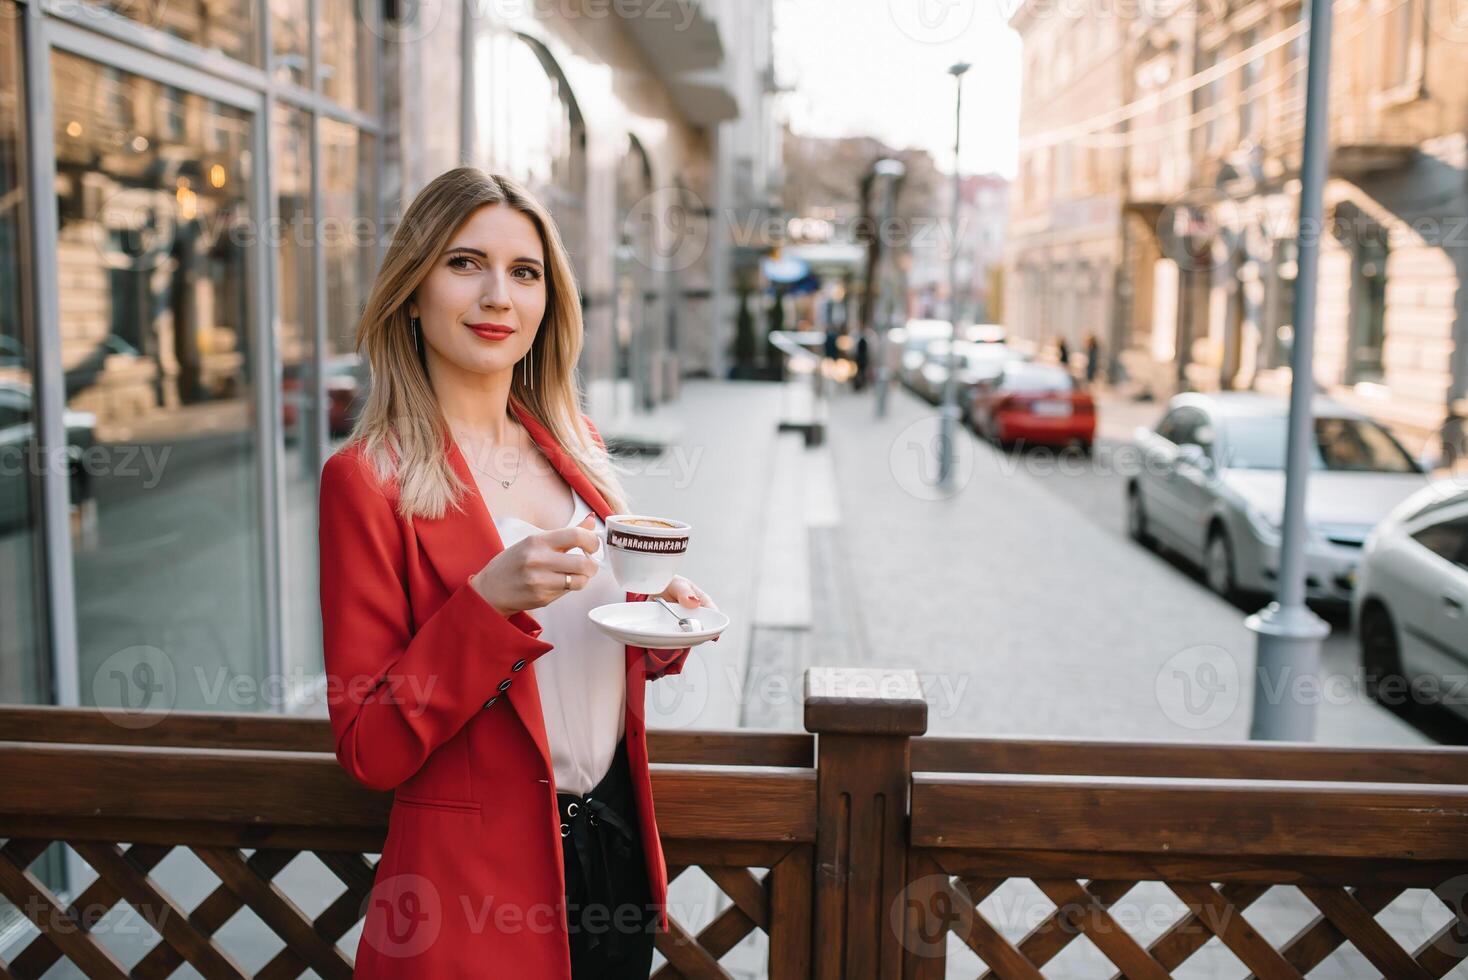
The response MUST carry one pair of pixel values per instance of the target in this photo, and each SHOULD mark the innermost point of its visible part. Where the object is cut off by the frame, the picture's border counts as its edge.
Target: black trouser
(609, 911)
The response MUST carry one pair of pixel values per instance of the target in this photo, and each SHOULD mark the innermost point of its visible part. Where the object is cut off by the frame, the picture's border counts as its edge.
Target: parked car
(1410, 608)
(12, 353)
(1038, 404)
(917, 335)
(984, 333)
(346, 392)
(17, 434)
(1211, 483)
(976, 362)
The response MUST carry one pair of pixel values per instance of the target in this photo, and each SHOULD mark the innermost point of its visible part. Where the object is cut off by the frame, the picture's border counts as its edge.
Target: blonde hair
(401, 430)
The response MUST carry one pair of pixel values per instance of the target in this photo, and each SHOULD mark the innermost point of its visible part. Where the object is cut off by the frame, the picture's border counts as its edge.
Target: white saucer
(647, 624)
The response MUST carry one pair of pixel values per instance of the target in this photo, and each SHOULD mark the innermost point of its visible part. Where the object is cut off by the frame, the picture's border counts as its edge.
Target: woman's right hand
(532, 573)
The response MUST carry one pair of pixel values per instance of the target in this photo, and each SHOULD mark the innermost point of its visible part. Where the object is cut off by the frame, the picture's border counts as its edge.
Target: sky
(880, 68)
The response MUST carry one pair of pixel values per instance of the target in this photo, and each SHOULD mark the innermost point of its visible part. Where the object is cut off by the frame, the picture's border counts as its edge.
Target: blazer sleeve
(395, 693)
(659, 663)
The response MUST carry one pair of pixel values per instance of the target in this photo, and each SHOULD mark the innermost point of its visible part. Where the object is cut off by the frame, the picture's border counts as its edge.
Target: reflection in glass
(24, 662)
(155, 348)
(290, 23)
(348, 52)
(226, 26)
(348, 233)
(530, 127)
(295, 338)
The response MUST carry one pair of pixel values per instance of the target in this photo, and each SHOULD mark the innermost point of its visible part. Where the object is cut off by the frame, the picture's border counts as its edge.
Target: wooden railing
(861, 848)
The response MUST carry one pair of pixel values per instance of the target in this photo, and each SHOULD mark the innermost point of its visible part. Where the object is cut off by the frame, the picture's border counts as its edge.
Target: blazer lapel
(578, 480)
(459, 544)
(564, 463)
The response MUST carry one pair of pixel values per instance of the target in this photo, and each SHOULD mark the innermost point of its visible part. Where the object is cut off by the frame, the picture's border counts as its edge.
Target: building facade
(983, 221)
(194, 199)
(1206, 128)
(1064, 244)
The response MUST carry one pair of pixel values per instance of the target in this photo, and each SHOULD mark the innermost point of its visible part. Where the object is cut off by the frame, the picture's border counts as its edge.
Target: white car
(976, 362)
(1411, 604)
(915, 338)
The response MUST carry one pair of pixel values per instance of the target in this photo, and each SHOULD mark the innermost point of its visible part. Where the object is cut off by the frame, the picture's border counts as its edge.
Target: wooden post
(863, 720)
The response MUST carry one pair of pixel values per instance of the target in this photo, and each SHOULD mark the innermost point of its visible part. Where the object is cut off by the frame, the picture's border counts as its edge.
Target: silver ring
(568, 581)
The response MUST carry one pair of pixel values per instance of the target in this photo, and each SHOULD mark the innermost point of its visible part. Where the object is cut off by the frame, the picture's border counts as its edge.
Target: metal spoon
(687, 624)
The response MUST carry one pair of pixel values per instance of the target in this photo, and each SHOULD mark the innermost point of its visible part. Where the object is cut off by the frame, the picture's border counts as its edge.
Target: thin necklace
(519, 464)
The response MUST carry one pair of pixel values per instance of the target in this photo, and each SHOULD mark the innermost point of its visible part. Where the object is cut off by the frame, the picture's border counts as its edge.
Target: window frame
(107, 38)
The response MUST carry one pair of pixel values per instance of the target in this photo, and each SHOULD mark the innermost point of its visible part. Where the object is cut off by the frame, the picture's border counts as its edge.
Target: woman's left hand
(685, 593)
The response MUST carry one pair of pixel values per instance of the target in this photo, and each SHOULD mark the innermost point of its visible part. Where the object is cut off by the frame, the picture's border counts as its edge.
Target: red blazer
(431, 696)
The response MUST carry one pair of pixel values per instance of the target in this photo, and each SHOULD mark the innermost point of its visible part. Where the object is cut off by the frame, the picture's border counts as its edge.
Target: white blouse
(583, 681)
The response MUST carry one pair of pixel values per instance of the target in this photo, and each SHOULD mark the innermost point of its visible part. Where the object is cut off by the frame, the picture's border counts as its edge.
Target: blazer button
(491, 701)
(517, 665)
(504, 683)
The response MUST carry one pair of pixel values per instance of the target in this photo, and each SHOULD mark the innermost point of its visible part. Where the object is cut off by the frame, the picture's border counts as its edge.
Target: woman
(522, 839)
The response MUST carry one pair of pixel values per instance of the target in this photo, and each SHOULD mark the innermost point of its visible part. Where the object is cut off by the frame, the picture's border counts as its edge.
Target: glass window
(1022, 377)
(1448, 539)
(1249, 80)
(347, 232)
(159, 377)
(290, 23)
(1187, 427)
(1208, 100)
(1400, 43)
(348, 51)
(295, 338)
(1357, 445)
(24, 644)
(226, 26)
(530, 127)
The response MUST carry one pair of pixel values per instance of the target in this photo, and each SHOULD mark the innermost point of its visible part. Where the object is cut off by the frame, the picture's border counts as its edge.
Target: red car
(1037, 404)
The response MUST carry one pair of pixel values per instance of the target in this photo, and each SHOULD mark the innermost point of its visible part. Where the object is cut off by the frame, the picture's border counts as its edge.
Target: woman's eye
(458, 258)
(531, 273)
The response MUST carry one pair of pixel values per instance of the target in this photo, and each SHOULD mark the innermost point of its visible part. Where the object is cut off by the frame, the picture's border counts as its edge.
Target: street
(1020, 602)
(1096, 488)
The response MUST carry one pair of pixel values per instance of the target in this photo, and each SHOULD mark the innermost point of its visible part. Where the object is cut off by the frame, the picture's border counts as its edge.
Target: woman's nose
(496, 293)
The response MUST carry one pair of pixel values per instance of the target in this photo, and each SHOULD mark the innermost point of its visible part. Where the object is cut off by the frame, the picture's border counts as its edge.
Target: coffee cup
(645, 551)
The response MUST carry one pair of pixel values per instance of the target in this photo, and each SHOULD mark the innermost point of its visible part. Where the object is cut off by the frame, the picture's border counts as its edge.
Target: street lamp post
(893, 171)
(948, 415)
(1288, 633)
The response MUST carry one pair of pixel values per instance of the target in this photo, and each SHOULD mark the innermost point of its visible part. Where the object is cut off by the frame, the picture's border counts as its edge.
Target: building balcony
(685, 50)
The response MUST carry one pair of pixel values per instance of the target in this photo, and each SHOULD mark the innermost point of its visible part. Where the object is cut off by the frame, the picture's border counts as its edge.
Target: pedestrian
(521, 840)
(1093, 357)
(1062, 352)
(863, 357)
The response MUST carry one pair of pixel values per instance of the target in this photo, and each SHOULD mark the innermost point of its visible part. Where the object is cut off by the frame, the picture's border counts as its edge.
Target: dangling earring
(527, 365)
(417, 341)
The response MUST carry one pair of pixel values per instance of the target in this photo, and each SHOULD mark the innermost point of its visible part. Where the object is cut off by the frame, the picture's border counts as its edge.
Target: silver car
(1210, 486)
(976, 362)
(915, 337)
(1411, 603)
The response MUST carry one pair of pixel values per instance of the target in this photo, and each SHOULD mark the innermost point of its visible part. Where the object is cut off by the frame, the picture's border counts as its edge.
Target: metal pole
(1288, 633)
(948, 415)
(893, 170)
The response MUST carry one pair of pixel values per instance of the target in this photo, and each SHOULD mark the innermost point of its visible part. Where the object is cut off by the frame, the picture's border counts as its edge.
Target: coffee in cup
(645, 552)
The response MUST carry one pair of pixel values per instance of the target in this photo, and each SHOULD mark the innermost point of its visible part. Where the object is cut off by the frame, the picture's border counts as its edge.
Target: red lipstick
(491, 331)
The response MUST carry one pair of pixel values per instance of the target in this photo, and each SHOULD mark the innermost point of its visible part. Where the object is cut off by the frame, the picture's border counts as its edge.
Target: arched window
(531, 128)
